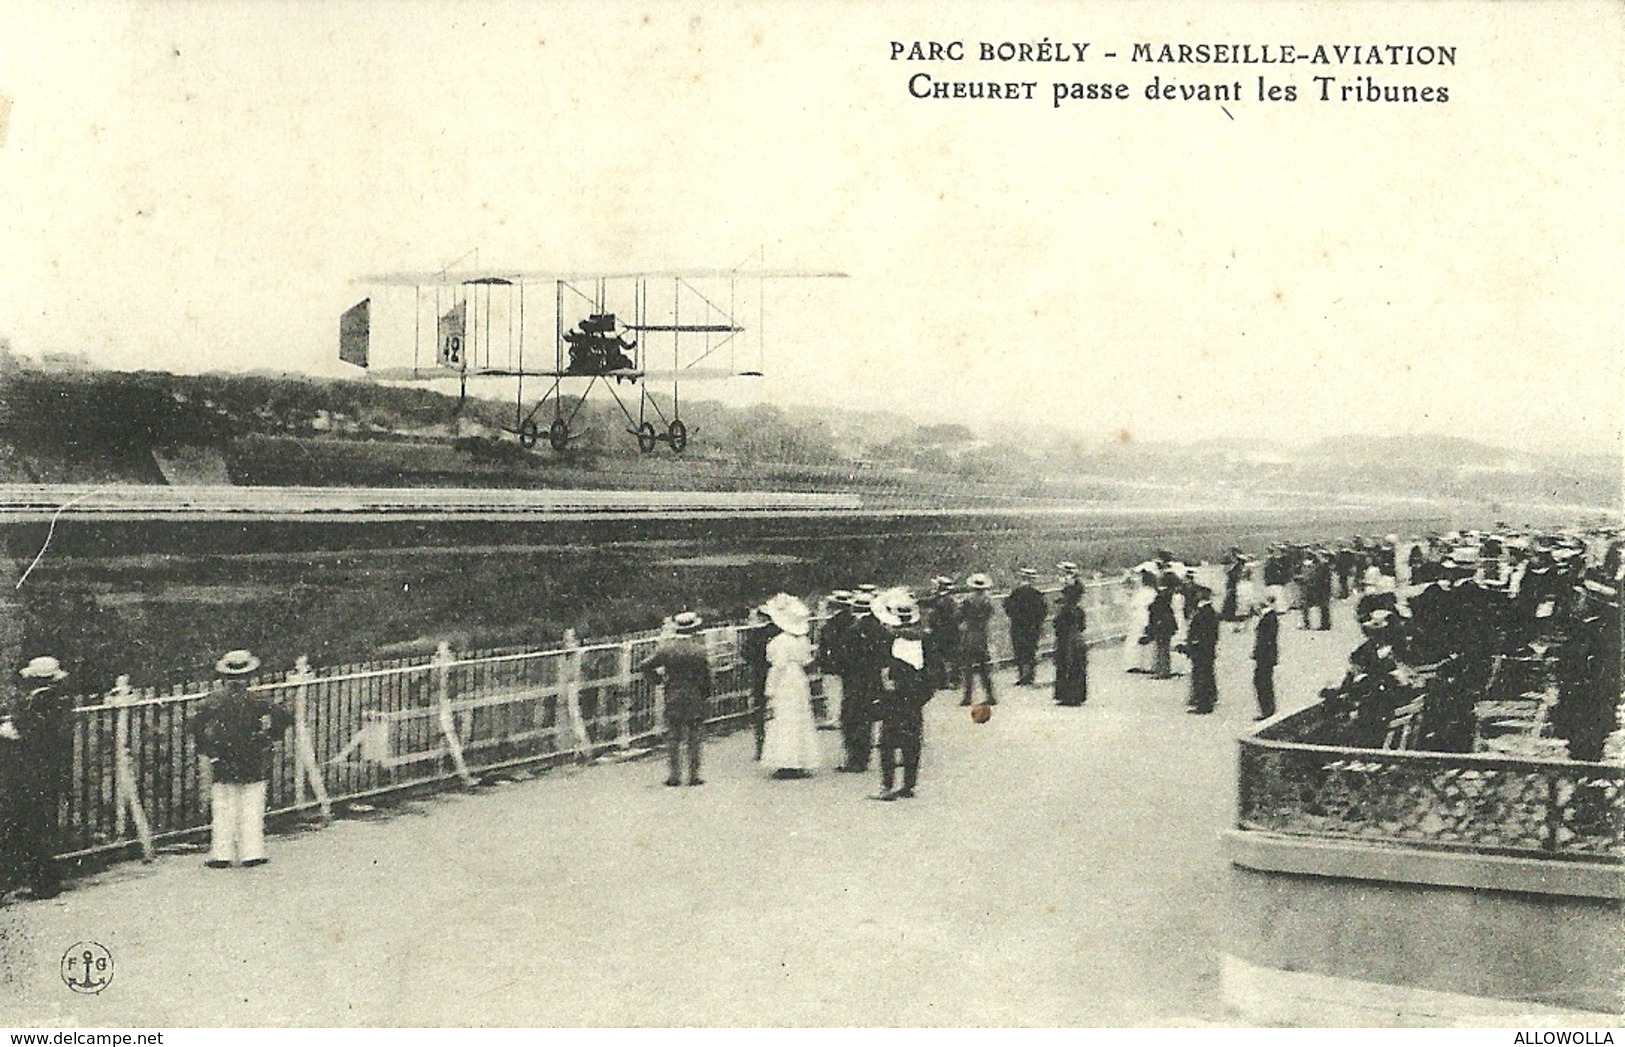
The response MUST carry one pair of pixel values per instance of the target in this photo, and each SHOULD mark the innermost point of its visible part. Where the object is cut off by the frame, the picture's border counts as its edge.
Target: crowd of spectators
(1473, 633)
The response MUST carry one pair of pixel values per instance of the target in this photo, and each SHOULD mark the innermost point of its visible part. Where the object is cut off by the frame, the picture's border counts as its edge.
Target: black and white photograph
(720, 514)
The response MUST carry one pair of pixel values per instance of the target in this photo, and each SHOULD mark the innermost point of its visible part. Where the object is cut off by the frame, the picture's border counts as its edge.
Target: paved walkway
(1059, 867)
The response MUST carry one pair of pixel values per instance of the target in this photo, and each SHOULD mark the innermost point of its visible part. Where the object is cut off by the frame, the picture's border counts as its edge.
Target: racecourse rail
(113, 500)
(381, 727)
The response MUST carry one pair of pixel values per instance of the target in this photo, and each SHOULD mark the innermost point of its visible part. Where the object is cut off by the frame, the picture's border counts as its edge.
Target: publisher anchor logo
(87, 967)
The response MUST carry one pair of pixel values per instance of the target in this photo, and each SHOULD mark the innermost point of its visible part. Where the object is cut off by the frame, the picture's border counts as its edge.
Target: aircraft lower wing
(438, 374)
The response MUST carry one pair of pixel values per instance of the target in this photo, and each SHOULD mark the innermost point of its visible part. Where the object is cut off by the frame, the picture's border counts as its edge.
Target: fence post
(442, 701)
(571, 693)
(624, 675)
(305, 767)
(128, 800)
(668, 630)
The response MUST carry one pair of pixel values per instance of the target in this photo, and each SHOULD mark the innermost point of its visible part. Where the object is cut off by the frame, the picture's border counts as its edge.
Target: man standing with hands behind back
(1026, 609)
(680, 663)
(235, 732)
(1266, 652)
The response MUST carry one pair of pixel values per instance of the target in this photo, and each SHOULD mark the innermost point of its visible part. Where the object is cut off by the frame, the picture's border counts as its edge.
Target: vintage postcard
(803, 515)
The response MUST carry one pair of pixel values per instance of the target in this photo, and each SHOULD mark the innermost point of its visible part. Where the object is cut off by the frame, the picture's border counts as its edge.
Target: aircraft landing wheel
(528, 433)
(646, 437)
(678, 433)
(558, 434)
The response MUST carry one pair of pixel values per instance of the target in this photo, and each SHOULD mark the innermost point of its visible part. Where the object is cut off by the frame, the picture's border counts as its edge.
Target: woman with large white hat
(790, 745)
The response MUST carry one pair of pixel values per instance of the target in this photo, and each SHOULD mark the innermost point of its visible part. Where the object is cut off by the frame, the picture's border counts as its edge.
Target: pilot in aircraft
(597, 349)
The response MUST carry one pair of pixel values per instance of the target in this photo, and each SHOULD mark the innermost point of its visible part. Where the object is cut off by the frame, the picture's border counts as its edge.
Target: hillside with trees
(95, 427)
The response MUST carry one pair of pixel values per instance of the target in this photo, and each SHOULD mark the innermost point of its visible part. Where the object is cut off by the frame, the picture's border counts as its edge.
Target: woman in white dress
(1137, 656)
(790, 747)
(1249, 597)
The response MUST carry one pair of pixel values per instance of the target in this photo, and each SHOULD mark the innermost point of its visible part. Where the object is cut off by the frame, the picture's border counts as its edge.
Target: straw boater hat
(236, 663)
(860, 602)
(979, 581)
(1027, 572)
(943, 582)
(896, 607)
(841, 596)
(687, 622)
(1067, 567)
(788, 613)
(43, 668)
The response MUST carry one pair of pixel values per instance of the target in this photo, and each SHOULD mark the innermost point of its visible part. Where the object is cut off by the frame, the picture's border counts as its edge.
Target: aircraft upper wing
(505, 276)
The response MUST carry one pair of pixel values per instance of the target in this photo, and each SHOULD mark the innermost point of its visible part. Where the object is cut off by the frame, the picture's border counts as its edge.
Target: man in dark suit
(975, 616)
(682, 665)
(36, 754)
(942, 636)
(1235, 569)
(866, 641)
(758, 632)
(1320, 588)
(1071, 581)
(1266, 653)
(831, 642)
(904, 691)
(1202, 648)
(1161, 625)
(236, 731)
(1026, 609)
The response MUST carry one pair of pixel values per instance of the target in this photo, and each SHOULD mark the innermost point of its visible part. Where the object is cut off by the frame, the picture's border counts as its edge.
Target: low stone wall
(1316, 950)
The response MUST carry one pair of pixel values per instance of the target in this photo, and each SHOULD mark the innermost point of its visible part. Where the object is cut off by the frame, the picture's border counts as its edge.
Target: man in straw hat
(680, 663)
(942, 635)
(36, 750)
(861, 659)
(1071, 581)
(830, 661)
(905, 688)
(754, 638)
(236, 731)
(1027, 609)
(975, 613)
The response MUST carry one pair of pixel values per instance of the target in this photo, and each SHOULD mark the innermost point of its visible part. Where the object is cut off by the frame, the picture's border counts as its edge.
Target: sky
(198, 186)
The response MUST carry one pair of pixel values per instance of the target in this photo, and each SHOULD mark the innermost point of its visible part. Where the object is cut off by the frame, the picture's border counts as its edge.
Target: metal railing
(1486, 804)
(379, 727)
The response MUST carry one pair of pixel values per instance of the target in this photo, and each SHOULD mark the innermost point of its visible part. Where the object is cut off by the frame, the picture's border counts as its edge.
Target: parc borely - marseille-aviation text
(1346, 72)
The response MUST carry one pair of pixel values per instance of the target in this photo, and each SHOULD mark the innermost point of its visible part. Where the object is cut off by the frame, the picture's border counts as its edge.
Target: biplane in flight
(608, 329)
